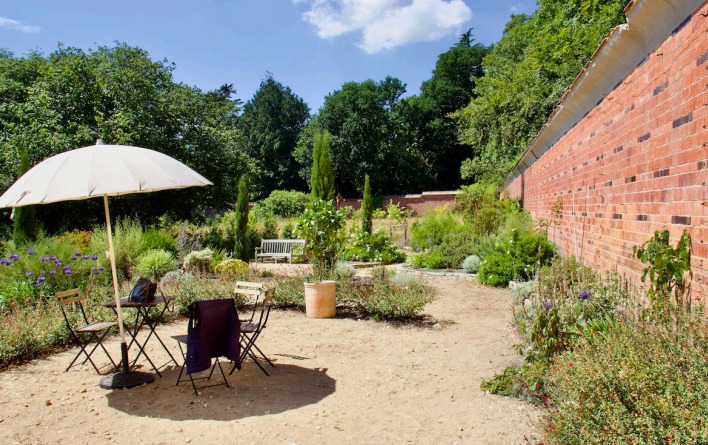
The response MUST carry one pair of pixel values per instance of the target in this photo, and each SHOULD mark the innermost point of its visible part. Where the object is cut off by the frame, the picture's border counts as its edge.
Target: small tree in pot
(321, 228)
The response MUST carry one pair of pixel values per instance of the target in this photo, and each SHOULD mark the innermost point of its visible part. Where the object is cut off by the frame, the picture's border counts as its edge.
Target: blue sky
(312, 46)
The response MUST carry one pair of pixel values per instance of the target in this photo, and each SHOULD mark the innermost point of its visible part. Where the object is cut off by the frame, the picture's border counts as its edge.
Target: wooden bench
(280, 248)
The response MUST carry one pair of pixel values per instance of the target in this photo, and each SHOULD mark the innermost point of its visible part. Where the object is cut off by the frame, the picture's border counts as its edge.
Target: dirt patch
(341, 380)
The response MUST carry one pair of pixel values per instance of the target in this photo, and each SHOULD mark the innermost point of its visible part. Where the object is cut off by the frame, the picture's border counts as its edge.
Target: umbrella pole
(125, 378)
(112, 256)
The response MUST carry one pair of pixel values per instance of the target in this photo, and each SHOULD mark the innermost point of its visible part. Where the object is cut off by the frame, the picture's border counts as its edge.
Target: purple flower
(95, 272)
(546, 306)
(41, 280)
(94, 257)
(14, 257)
(100, 268)
(52, 272)
(41, 272)
(28, 274)
(52, 257)
(86, 257)
(73, 258)
(66, 267)
(584, 295)
(5, 262)
(30, 252)
(68, 271)
(43, 259)
(77, 253)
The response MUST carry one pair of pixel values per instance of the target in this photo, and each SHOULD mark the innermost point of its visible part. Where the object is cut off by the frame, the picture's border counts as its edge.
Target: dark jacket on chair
(213, 331)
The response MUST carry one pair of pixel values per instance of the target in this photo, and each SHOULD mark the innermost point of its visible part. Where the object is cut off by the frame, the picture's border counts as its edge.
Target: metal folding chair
(86, 333)
(251, 330)
(213, 332)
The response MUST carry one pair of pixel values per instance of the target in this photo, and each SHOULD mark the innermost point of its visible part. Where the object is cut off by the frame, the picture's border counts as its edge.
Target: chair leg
(263, 355)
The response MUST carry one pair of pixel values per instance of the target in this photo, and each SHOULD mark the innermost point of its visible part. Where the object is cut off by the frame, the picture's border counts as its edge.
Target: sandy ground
(337, 381)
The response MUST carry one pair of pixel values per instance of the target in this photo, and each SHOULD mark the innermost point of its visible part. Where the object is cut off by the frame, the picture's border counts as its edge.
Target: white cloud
(16, 25)
(386, 24)
(515, 9)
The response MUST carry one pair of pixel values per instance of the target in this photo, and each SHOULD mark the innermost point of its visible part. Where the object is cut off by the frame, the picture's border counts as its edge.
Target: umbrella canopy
(102, 171)
(99, 170)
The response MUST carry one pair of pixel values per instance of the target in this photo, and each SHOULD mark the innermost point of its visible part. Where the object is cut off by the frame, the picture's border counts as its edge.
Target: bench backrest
(281, 245)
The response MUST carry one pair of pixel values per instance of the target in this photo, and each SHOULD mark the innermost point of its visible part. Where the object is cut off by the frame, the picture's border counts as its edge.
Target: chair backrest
(68, 297)
(252, 291)
(265, 306)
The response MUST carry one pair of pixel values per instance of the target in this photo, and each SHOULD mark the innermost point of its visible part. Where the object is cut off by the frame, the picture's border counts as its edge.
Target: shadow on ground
(251, 393)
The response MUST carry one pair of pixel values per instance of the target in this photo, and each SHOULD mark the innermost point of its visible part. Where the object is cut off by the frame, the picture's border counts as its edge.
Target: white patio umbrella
(102, 171)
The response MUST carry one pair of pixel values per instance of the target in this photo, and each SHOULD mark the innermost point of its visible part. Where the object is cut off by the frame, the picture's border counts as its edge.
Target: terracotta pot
(320, 299)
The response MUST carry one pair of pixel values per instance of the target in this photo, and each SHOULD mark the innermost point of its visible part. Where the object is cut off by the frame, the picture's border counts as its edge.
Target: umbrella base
(121, 380)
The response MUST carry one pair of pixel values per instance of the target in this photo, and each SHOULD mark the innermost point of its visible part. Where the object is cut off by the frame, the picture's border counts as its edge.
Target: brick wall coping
(649, 23)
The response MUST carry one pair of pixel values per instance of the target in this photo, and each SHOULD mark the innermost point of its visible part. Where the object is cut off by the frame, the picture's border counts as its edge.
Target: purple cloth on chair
(213, 331)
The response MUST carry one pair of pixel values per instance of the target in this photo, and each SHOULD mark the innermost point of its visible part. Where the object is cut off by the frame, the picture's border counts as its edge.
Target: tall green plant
(241, 246)
(25, 220)
(322, 180)
(367, 207)
(321, 228)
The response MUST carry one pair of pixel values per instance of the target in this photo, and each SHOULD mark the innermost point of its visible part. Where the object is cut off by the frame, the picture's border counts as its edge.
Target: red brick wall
(637, 163)
(419, 204)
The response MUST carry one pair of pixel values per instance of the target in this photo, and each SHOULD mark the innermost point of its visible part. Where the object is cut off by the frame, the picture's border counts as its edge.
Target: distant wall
(637, 162)
(419, 204)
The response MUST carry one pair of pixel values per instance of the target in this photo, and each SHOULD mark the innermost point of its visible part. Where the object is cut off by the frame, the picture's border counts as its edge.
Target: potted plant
(321, 228)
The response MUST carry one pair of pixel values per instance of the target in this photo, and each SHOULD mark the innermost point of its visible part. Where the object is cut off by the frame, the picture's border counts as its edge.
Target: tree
(322, 181)
(25, 220)
(527, 72)
(367, 207)
(241, 248)
(429, 128)
(71, 98)
(271, 123)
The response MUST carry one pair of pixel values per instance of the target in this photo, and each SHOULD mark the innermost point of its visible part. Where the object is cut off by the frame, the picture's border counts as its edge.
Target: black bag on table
(143, 292)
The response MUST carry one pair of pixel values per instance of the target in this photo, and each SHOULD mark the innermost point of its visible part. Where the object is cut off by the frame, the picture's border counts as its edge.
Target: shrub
(232, 268)
(496, 270)
(385, 300)
(189, 287)
(285, 204)
(290, 292)
(474, 197)
(154, 238)
(374, 246)
(288, 231)
(431, 230)
(471, 264)
(639, 384)
(199, 261)
(450, 253)
(154, 264)
(128, 245)
(241, 246)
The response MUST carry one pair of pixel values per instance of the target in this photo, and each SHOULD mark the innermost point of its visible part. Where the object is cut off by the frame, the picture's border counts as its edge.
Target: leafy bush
(288, 231)
(431, 230)
(386, 300)
(189, 287)
(496, 270)
(199, 261)
(154, 238)
(374, 246)
(286, 204)
(321, 227)
(639, 383)
(474, 197)
(128, 245)
(154, 264)
(290, 292)
(471, 264)
(232, 268)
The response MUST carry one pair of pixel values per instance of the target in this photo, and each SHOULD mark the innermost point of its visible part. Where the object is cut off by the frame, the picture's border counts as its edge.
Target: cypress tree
(367, 208)
(241, 251)
(322, 179)
(25, 219)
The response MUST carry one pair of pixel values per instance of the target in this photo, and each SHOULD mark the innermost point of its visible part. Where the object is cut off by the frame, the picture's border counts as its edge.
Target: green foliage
(188, 288)
(471, 264)
(451, 251)
(397, 214)
(286, 204)
(118, 94)
(636, 384)
(290, 293)
(322, 180)
(496, 270)
(232, 268)
(128, 245)
(199, 261)
(155, 263)
(477, 196)
(271, 123)
(288, 230)
(376, 246)
(25, 225)
(516, 257)
(321, 228)
(433, 228)
(241, 246)
(387, 300)
(526, 73)
(154, 238)
(668, 271)
(367, 207)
